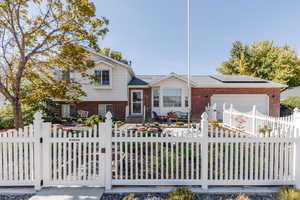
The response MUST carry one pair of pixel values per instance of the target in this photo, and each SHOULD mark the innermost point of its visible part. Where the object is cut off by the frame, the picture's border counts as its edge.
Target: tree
(37, 37)
(264, 60)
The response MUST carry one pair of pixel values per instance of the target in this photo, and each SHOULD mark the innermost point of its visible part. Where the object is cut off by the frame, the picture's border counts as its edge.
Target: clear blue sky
(153, 34)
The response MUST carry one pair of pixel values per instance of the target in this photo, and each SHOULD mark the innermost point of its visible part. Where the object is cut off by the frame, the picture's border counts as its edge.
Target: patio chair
(83, 113)
(158, 118)
(182, 115)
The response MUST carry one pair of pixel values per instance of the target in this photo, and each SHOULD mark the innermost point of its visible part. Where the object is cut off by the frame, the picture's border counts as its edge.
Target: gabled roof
(172, 75)
(210, 81)
(128, 67)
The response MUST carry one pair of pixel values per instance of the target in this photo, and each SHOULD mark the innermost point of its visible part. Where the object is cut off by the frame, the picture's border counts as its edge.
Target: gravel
(163, 196)
(15, 196)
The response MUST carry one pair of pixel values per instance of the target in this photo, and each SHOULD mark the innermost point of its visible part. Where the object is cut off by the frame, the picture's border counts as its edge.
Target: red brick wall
(201, 97)
(118, 107)
(146, 98)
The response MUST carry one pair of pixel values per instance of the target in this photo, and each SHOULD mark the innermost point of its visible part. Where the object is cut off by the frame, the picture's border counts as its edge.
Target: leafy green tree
(264, 60)
(39, 36)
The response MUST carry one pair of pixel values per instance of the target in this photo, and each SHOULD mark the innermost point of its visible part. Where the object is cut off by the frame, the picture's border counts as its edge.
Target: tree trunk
(17, 114)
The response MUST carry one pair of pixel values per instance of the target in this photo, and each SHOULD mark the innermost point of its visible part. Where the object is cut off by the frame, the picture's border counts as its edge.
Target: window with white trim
(62, 75)
(172, 97)
(102, 77)
(104, 108)
(65, 110)
(155, 97)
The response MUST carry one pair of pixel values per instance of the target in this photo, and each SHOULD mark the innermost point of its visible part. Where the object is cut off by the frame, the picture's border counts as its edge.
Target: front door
(137, 102)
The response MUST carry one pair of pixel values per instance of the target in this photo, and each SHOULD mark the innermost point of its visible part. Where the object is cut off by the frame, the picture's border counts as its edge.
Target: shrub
(156, 123)
(94, 119)
(287, 193)
(7, 122)
(181, 193)
(292, 102)
(265, 129)
(179, 123)
(130, 197)
(242, 197)
(214, 123)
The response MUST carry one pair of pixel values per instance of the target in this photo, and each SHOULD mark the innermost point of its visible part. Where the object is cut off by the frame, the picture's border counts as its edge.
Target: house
(119, 90)
(291, 92)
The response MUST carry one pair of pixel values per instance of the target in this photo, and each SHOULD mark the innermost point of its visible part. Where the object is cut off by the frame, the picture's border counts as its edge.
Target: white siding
(168, 84)
(118, 91)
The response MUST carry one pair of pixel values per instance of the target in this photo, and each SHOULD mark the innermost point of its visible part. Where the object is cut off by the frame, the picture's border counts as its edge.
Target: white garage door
(241, 102)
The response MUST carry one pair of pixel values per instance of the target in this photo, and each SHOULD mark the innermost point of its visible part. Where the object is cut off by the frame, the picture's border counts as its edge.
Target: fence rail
(253, 121)
(44, 155)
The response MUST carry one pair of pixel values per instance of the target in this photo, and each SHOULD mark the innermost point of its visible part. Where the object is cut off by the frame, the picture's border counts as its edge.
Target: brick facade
(200, 97)
(118, 107)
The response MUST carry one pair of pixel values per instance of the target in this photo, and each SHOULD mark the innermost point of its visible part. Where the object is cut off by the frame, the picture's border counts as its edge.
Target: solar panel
(238, 79)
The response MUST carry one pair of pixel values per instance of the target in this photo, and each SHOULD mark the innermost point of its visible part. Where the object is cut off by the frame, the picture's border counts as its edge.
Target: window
(186, 101)
(65, 110)
(104, 108)
(62, 75)
(68, 110)
(102, 77)
(172, 97)
(155, 97)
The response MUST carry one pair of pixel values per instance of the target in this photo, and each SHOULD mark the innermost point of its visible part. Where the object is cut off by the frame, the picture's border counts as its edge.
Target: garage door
(241, 102)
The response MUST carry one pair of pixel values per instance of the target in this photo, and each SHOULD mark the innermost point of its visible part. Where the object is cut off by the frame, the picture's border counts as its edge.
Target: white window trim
(97, 86)
(68, 115)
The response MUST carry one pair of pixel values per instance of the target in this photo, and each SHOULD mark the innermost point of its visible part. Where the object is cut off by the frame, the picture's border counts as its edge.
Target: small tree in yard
(36, 38)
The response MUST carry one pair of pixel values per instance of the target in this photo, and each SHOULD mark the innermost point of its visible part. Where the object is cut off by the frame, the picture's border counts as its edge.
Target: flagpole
(188, 62)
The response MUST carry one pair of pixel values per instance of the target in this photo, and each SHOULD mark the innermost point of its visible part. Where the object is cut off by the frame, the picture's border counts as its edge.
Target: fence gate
(74, 157)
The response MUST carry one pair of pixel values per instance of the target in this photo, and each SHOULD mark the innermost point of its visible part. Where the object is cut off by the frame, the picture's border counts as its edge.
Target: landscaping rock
(163, 196)
(15, 196)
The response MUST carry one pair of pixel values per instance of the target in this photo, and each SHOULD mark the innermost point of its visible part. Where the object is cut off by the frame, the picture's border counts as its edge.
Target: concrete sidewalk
(70, 193)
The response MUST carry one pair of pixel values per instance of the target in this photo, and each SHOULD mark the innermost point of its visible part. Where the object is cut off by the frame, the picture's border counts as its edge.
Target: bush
(179, 123)
(287, 193)
(130, 197)
(181, 193)
(94, 120)
(7, 122)
(242, 197)
(292, 102)
(265, 129)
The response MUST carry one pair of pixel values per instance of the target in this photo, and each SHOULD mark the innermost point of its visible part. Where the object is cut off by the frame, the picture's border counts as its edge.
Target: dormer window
(102, 77)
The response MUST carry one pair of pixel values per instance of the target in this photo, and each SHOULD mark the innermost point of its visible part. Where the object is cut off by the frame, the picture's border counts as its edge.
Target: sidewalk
(76, 193)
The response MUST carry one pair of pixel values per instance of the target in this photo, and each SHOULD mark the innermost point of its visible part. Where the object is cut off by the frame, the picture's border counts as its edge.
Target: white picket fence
(43, 155)
(256, 122)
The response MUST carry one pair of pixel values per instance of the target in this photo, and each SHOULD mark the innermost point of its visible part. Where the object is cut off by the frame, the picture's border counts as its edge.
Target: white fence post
(107, 142)
(224, 114)
(126, 112)
(46, 132)
(230, 115)
(296, 116)
(253, 128)
(297, 158)
(204, 152)
(38, 161)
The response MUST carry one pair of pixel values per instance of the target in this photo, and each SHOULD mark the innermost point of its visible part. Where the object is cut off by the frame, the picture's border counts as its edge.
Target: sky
(153, 33)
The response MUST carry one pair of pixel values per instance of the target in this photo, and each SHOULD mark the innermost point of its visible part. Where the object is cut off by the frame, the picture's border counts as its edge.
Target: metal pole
(188, 62)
